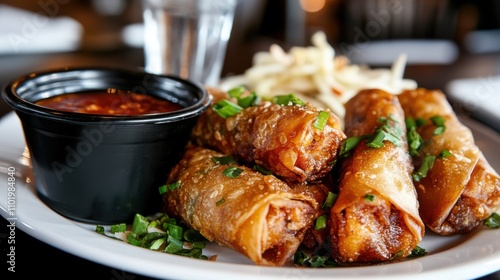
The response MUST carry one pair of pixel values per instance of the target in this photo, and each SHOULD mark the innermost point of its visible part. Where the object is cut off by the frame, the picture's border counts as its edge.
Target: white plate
(478, 97)
(458, 257)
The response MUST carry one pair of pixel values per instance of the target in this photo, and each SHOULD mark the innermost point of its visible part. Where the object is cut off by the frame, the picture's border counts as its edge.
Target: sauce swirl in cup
(109, 102)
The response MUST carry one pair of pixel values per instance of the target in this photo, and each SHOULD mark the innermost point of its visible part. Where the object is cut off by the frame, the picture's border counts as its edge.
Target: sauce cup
(103, 169)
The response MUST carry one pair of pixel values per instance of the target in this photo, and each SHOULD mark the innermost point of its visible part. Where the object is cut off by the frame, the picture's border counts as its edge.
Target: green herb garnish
(321, 120)
(250, 99)
(445, 153)
(348, 145)
(118, 228)
(232, 171)
(320, 222)
(422, 171)
(226, 108)
(99, 229)
(329, 201)
(290, 99)
(493, 221)
(370, 197)
(415, 140)
(170, 187)
(438, 121)
(417, 252)
(300, 258)
(160, 233)
(388, 131)
(236, 92)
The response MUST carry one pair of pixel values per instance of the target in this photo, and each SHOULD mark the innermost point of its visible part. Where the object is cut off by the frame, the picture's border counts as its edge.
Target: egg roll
(281, 138)
(257, 215)
(460, 190)
(375, 217)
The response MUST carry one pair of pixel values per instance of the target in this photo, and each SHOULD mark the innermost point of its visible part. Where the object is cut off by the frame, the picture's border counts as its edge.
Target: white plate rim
(463, 257)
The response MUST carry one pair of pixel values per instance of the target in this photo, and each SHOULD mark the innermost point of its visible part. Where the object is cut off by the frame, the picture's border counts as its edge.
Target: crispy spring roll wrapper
(461, 190)
(280, 138)
(319, 191)
(257, 215)
(389, 227)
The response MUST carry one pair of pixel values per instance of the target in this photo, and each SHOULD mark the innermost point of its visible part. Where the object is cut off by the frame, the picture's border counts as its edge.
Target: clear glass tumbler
(187, 38)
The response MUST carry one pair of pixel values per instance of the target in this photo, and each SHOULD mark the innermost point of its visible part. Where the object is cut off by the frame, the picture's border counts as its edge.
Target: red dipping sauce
(109, 102)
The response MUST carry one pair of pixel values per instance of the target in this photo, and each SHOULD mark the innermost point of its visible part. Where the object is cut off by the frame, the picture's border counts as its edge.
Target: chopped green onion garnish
(222, 200)
(244, 101)
(410, 123)
(388, 131)
(321, 120)
(224, 160)
(226, 108)
(236, 92)
(330, 200)
(439, 130)
(415, 140)
(151, 237)
(177, 242)
(445, 153)
(427, 164)
(156, 245)
(118, 228)
(134, 239)
(250, 100)
(175, 231)
(370, 197)
(169, 237)
(170, 187)
(300, 258)
(99, 229)
(232, 171)
(289, 99)
(348, 145)
(198, 245)
(493, 221)
(397, 255)
(162, 189)
(438, 121)
(377, 141)
(417, 252)
(140, 224)
(320, 222)
(174, 246)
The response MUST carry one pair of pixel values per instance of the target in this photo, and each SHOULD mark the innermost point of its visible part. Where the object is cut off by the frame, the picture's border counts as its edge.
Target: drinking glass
(187, 38)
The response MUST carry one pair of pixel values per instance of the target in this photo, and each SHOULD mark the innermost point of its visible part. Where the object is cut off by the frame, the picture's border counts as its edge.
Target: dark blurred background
(445, 40)
(470, 26)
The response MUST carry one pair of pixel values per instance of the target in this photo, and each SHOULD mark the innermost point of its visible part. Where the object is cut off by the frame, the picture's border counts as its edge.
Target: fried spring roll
(257, 215)
(460, 190)
(282, 139)
(319, 191)
(375, 217)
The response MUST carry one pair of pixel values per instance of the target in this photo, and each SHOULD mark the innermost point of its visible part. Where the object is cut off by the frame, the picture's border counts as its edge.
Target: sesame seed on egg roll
(257, 215)
(459, 189)
(375, 217)
(281, 138)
